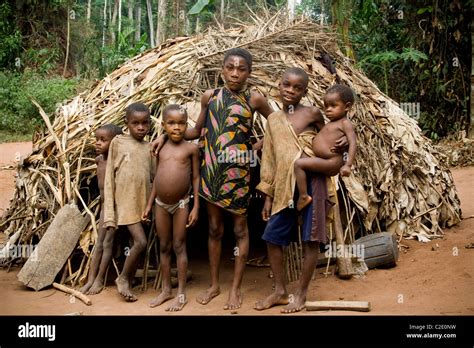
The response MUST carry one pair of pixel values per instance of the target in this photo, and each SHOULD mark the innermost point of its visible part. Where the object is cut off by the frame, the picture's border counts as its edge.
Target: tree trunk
(88, 11)
(67, 42)
(104, 24)
(119, 30)
(114, 21)
(130, 12)
(138, 21)
(222, 10)
(150, 22)
(321, 20)
(291, 9)
(160, 22)
(341, 12)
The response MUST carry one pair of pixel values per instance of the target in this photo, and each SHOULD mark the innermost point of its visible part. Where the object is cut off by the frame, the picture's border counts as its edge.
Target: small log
(358, 306)
(74, 293)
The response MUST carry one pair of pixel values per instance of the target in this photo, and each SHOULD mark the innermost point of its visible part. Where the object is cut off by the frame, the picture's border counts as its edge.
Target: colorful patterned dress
(225, 166)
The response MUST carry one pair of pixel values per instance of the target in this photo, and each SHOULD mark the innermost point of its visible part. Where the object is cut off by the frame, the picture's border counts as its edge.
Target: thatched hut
(398, 185)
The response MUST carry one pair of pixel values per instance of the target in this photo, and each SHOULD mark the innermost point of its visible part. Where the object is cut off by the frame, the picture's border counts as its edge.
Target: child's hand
(345, 170)
(258, 145)
(267, 208)
(341, 145)
(193, 217)
(145, 215)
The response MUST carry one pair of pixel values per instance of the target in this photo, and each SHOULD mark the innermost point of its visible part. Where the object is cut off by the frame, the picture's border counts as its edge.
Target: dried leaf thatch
(398, 184)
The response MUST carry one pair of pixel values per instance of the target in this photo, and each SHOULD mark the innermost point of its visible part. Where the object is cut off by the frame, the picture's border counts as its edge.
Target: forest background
(417, 52)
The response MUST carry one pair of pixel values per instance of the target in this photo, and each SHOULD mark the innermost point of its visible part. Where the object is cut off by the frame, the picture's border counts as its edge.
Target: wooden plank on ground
(359, 306)
(54, 248)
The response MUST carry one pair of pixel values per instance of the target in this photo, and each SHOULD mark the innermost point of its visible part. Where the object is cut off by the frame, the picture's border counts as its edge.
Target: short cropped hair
(136, 107)
(345, 93)
(241, 53)
(298, 72)
(172, 107)
(111, 128)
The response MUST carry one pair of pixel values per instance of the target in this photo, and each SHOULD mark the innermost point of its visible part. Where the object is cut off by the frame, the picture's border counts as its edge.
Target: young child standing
(177, 170)
(226, 123)
(127, 186)
(337, 103)
(288, 133)
(104, 243)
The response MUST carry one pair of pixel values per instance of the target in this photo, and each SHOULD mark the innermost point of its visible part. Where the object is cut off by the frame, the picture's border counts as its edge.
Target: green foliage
(17, 113)
(10, 39)
(199, 6)
(113, 56)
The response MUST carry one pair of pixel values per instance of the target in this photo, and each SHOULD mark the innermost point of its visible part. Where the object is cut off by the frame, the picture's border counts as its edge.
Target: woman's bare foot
(297, 303)
(123, 287)
(164, 296)
(235, 299)
(96, 287)
(275, 299)
(86, 287)
(206, 296)
(178, 303)
(303, 201)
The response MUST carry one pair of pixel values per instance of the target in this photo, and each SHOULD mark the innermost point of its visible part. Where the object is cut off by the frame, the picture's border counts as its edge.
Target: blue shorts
(281, 225)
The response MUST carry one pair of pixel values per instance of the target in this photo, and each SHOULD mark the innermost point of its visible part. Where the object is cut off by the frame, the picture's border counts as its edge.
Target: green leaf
(413, 54)
(425, 9)
(198, 6)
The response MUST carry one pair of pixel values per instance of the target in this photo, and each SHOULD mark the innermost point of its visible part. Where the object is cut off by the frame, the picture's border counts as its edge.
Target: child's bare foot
(206, 296)
(178, 303)
(303, 201)
(86, 287)
(275, 299)
(164, 296)
(123, 287)
(235, 300)
(96, 287)
(297, 304)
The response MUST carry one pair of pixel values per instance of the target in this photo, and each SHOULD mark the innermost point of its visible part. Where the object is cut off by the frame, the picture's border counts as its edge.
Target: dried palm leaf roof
(398, 183)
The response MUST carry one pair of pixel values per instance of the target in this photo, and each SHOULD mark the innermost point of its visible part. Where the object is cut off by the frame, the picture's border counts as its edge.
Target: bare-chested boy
(178, 168)
(337, 103)
(127, 186)
(104, 243)
(286, 135)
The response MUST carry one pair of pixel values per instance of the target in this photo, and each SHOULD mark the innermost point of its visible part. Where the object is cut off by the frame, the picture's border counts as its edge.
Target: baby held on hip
(326, 139)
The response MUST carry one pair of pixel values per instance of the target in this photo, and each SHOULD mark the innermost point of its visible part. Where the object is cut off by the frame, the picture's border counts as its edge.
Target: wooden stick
(358, 306)
(74, 293)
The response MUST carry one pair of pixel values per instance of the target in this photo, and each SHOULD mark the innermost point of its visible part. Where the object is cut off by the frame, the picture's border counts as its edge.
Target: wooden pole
(74, 293)
(344, 262)
(358, 306)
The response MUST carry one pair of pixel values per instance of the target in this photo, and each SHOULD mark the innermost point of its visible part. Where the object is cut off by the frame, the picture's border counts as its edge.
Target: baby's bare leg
(139, 245)
(180, 218)
(303, 199)
(164, 232)
(328, 167)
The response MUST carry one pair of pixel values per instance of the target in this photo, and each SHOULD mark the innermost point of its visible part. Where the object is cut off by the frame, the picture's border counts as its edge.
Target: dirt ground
(430, 279)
